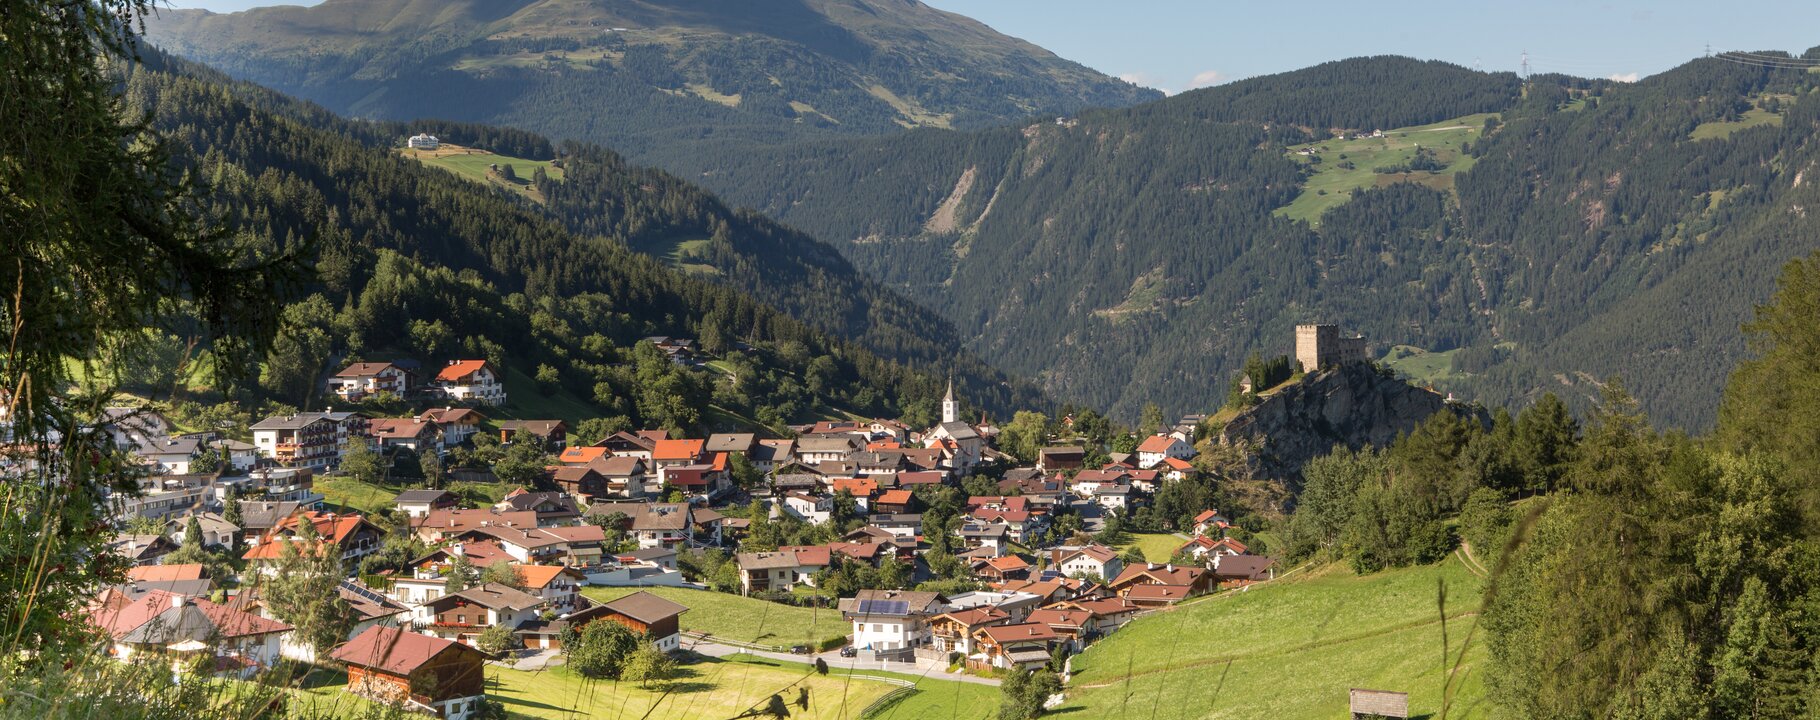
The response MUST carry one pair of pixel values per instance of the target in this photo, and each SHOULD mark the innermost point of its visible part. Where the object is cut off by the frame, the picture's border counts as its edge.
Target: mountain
(644, 76)
(1528, 235)
(413, 261)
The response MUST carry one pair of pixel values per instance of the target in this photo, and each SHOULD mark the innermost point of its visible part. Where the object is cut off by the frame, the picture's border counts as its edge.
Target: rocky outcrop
(1354, 405)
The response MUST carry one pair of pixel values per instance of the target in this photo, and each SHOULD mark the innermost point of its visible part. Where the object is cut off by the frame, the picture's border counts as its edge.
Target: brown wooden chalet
(442, 677)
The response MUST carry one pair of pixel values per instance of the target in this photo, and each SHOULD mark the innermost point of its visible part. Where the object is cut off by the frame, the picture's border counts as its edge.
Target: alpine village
(851, 359)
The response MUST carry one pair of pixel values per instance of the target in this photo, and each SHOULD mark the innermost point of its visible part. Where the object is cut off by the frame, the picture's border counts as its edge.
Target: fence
(905, 689)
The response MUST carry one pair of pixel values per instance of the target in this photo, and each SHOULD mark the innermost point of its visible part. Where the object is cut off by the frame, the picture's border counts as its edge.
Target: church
(959, 437)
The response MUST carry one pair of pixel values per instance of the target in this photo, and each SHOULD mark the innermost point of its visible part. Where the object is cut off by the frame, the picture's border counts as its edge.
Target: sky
(1177, 45)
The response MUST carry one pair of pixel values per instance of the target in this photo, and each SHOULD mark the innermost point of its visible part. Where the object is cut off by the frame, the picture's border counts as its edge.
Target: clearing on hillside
(1340, 167)
(1291, 648)
(478, 165)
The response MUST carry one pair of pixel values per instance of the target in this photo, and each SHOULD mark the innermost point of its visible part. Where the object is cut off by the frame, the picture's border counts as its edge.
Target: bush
(600, 650)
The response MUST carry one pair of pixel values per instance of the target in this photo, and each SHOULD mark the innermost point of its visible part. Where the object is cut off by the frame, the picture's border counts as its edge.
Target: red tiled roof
(1003, 634)
(678, 449)
(894, 497)
(1008, 563)
(581, 455)
(455, 371)
(1158, 592)
(1206, 515)
(1156, 444)
(859, 487)
(160, 573)
(1057, 616)
(1176, 463)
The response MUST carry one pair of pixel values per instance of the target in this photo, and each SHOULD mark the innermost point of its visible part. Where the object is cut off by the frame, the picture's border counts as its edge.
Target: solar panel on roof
(884, 607)
(364, 592)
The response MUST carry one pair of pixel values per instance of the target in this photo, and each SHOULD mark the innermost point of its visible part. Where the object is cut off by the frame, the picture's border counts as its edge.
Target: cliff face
(1352, 405)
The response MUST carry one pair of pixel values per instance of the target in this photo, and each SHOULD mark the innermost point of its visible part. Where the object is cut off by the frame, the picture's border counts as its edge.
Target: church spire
(951, 409)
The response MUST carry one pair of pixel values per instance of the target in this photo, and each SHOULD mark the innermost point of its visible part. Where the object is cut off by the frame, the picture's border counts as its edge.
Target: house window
(463, 619)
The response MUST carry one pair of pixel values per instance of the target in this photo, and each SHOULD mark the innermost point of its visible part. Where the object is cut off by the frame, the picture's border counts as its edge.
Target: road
(834, 660)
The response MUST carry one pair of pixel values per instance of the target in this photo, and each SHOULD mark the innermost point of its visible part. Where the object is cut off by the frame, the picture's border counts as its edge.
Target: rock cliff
(1353, 405)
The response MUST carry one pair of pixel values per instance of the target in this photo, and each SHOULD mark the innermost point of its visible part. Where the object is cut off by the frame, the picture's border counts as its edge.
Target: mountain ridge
(642, 76)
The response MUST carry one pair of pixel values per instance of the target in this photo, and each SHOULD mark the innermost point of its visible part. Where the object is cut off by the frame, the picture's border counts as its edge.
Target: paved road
(834, 660)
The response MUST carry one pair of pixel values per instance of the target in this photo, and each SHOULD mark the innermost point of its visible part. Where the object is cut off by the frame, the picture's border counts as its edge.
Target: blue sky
(1178, 45)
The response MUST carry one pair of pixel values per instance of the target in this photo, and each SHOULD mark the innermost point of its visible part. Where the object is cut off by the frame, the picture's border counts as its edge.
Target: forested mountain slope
(1579, 229)
(645, 76)
(416, 262)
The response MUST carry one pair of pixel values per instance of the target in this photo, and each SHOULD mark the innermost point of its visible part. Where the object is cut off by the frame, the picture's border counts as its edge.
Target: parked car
(799, 649)
(849, 651)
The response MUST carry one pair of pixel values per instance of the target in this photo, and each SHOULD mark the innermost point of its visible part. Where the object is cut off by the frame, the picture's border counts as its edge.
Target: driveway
(834, 660)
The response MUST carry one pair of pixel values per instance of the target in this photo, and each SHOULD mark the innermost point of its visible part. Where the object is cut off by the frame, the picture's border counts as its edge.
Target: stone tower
(1319, 346)
(951, 408)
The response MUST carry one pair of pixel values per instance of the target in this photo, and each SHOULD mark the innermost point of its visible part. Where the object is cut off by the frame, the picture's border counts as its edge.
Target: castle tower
(1319, 346)
(951, 409)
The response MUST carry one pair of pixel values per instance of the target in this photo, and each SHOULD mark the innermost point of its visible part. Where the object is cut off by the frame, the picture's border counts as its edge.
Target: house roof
(1206, 515)
(621, 466)
(158, 573)
(730, 442)
(1058, 616)
(1100, 553)
(367, 369)
(391, 428)
(1161, 574)
(159, 618)
(1244, 567)
(540, 428)
(1008, 563)
(540, 576)
(1176, 463)
(1021, 632)
(646, 607)
(900, 603)
(894, 497)
(809, 554)
(493, 596)
(1157, 444)
(975, 616)
(768, 561)
(661, 516)
(1158, 592)
(577, 455)
(858, 487)
(452, 415)
(395, 651)
(421, 496)
(456, 370)
(678, 449)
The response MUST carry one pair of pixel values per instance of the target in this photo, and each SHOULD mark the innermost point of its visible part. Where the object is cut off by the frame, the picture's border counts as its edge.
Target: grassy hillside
(741, 618)
(477, 165)
(1290, 649)
(1348, 165)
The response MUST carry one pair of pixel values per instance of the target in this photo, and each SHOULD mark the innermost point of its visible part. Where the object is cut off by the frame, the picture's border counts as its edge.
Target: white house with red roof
(473, 381)
(1157, 448)
(169, 623)
(359, 381)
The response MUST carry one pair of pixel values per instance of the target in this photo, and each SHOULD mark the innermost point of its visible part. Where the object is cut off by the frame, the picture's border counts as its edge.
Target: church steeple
(951, 409)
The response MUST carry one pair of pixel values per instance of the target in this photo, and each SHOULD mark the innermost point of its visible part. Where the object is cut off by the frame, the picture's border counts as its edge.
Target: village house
(1023, 646)
(1109, 614)
(993, 537)
(360, 381)
(1156, 448)
(769, 455)
(472, 381)
(305, 440)
(573, 545)
(1002, 568)
(456, 424)
(904, 526)
(781, 570)
(553, 434)
(894, 502)
(1095, 561)
(1241, 570)
(438, 676)
(890, 624)
(675, 453)
(738, 443)
(464, 615)
(1187, 581)
(1053, 459)
(1073, 628)
(556, 585)
(423, 141)
(644, 613)
(370, 608)
(952, 631)
(419, 503)
(1204, 548)
(818, 449)
(217, 532)
(812, 509)
(351, 535)
(443, 524)
(625, 444)
(165, 623)
(553, 509)
(410, 433)
(1210, 522)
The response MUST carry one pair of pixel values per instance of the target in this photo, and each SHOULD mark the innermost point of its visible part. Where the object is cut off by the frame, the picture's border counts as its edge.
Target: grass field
(1421, 365)
(1157, 547)
(1290, 649)
(683, 253)
(526, 402)
(354, 494)
(1755, 117)
(475, 164)
(742, 618)
(707, 690)
(1331, 185)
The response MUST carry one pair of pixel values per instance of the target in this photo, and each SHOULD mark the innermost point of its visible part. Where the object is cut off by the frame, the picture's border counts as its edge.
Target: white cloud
(1206, 78)
(1144, 79)
(1623, 77)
